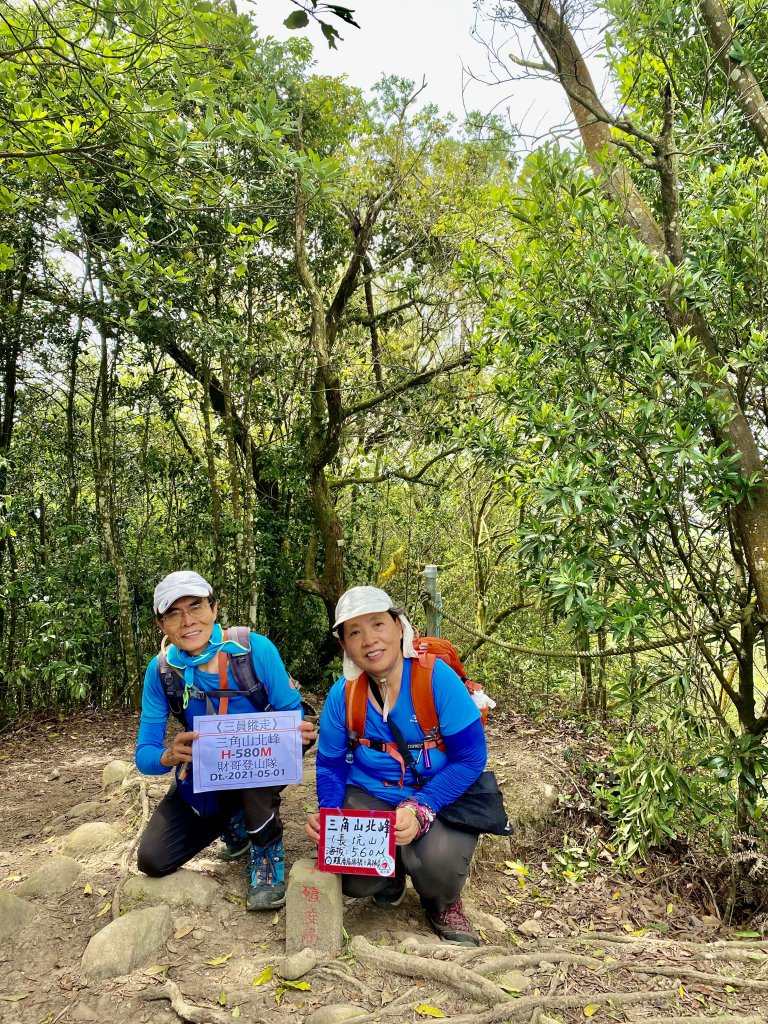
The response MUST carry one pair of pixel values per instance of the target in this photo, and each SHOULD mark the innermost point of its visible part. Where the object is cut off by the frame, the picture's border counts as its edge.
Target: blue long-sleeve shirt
(269, 668)
(449, 773)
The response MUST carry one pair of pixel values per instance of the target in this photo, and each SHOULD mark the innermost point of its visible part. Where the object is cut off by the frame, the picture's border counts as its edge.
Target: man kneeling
(194, 676)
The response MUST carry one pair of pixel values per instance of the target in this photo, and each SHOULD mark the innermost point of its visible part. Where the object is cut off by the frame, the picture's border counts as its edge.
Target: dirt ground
(587, 931)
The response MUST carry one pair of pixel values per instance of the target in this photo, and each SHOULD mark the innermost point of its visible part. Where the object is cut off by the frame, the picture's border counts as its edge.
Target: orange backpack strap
(356, 700)
(423, 698)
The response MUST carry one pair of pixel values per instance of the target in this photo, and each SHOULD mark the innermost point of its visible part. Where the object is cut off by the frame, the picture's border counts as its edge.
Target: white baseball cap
(364, 601)
(361, 601)
(179, 584)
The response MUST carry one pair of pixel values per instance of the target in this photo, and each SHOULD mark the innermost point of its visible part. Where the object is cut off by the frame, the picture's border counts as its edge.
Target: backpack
(249, 684)
(428, 650)
(445, 651)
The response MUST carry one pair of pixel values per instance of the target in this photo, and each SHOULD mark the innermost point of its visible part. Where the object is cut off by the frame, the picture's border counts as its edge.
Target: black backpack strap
(173, 687)
(244, 672)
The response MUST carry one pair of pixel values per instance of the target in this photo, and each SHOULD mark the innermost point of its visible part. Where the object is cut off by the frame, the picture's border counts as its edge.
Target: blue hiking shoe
(235, 838)
(265, 872)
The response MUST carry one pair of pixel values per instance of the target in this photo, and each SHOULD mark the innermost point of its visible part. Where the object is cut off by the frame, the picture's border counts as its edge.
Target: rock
(515, 980)
(296, 966)
(15, 914)
(156, 792)
(81, 1011)
(531, 928)
(314, 909)
(480, 919)
(114, 773)
(88, 809)
(90, 838)
(55, 774)
(51, 879)
(181, 889)
(335, 1013)
(129, 942)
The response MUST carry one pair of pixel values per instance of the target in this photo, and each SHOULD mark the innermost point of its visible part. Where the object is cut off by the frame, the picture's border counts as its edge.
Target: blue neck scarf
(186, 662)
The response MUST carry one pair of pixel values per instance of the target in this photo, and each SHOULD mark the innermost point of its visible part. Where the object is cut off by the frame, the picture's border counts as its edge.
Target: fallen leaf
(591, 1009)
(87, 890)
(428, 1011)
(234, 898)
(222, 998)
(681, 992)
(104, 910)
(275, 919)
(219, 960)
(236, 1012)
(14, 999)
(264, 977)
(157, 969)
(102, 892)
(12, 878)
(184, 931)
(300, 986)
(727, 988)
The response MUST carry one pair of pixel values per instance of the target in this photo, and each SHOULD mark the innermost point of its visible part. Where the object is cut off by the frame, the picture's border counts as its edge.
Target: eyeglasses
(175, 615)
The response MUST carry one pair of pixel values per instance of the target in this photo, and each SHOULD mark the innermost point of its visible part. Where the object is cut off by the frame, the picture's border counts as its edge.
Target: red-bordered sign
(357, 842)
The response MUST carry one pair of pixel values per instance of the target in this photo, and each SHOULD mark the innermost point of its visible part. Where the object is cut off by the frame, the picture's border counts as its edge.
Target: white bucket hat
(364, 601)
(180, 584)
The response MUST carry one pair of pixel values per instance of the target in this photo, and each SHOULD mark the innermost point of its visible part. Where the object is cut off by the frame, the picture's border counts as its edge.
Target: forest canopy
(258, 324)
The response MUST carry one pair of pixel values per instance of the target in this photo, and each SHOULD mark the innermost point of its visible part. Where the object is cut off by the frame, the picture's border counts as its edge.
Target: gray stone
(90, 838)
(51, 879)
(335, 1013)
(531, 928)
(181, 889)
(297, 965)
(314, 909)
(480, 919)
(15, 914)
(514, 980)
(129, 942)
(156, 792)
(114, 773)
(82, 1011)
(86, 810)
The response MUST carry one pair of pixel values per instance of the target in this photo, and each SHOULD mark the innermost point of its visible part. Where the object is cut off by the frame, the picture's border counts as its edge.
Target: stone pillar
(314, 909)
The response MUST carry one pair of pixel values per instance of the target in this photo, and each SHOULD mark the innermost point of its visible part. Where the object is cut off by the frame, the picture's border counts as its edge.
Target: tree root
(348, 979)
(719, 944)
(507, 963)
(188, 1011)
(517, 1007)
(702, 1020)
(128, 852)
(472, 985)
(684, 972)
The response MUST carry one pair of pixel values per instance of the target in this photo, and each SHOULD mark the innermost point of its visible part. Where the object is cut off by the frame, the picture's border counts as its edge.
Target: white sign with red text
(246, 751)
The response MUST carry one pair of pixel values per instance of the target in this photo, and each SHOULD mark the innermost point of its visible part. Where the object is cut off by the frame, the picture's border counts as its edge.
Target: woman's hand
(312, 826)
(308, 730)
(406, 826)
(180, 750)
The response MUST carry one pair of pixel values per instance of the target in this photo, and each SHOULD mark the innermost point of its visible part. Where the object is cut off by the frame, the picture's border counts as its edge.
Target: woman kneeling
(370, 772)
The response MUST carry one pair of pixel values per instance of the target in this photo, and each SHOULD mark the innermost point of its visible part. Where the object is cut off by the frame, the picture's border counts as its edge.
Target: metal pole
(434, 604)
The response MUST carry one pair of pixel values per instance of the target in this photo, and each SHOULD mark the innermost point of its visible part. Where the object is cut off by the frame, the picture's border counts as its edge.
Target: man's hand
(312, 827)
(308, 730)
(406, 826)
(180, 751)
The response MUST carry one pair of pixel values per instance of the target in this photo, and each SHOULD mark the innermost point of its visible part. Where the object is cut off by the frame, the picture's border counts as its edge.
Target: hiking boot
(235, 838)
(392, 896)
(453, 925)
(265, 872)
